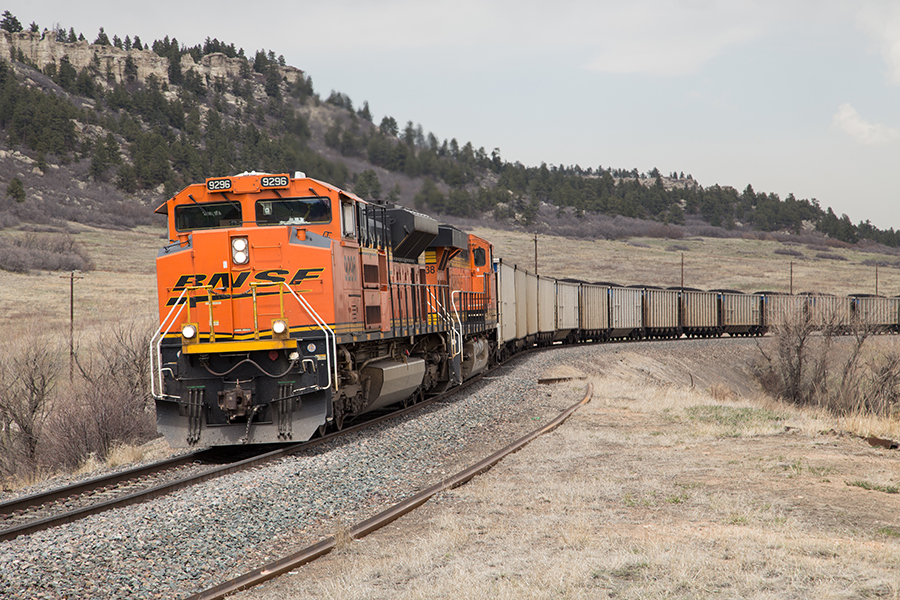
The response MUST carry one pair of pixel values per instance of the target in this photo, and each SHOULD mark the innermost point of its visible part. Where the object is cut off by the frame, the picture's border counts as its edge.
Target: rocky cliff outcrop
(43, 50)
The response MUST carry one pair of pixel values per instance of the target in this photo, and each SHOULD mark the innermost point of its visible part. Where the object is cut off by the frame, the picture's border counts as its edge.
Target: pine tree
(102, 39)
(364, 112)
(10, 23)
(15, 189)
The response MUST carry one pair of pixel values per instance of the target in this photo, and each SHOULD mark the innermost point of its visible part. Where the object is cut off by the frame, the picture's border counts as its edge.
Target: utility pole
(876, 280)
(682, 271)
(72, 277)
(792, 278)
(535, 254)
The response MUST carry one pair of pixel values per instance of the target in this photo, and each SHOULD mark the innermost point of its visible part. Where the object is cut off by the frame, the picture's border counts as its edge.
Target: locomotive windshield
(207, 216)
(293, 211)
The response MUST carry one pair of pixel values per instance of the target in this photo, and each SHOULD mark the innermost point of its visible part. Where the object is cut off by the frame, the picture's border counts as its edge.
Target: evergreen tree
(364, 112)
(10, 23)
(102, 39)
(15, 189)
(130, 70)
(388, 126)
(367, 185)
(429, 195)
(273, 82)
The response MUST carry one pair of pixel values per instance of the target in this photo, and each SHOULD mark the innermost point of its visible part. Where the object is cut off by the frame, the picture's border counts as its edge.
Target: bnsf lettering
(238, 280)
(189, 281)
(222, 280)
(276, 275)
(303, 274)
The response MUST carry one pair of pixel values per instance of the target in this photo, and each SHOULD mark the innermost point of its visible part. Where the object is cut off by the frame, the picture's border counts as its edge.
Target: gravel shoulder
(191, 539)
(656, 489)
(677, 480)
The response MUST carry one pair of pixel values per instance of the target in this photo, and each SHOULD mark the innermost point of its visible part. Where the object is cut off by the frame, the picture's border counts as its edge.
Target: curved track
(37, 512)
(389, 515)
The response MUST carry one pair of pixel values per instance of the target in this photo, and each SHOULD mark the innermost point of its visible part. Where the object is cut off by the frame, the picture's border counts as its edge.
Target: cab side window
(479, 256)
(348, 219)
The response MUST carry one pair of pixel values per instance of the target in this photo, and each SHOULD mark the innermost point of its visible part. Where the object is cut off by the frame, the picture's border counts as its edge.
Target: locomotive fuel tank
(390, 381)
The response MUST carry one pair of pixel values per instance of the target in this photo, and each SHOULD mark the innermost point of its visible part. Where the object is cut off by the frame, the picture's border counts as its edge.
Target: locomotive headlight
(189, 331)
(279, 326)
(240, 250)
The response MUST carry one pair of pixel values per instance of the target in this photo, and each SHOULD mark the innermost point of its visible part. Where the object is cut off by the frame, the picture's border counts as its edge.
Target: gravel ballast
(187, 541)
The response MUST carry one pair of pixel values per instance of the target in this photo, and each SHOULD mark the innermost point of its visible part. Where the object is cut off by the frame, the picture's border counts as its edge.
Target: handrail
(456, 312)
(156, 369)
(330, 349)
(157, 356)
(445, 315)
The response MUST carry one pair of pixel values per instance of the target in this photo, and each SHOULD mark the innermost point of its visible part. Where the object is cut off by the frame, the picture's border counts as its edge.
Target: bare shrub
(45, 251)
(120, 355)
(830, 256)
(875, 262)
(29, 366)
(787, 252)
(93, 420)
(790, 368)
(47, 422)
(806, 363)
(678, 248)
(109, 402)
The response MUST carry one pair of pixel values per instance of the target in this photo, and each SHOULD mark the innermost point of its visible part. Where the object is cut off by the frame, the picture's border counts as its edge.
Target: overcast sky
(794, 96)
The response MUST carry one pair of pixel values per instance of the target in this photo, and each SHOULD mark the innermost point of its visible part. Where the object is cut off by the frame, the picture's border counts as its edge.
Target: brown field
(709, 263)
(656, 489)
(653, 490)
(122, 284)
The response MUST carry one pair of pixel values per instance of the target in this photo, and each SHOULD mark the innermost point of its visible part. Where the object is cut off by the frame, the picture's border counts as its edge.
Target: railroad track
(283, 565)
(48, 509)
(55, 507)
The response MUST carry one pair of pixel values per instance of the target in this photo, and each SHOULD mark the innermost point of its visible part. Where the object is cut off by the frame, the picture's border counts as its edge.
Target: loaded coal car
(288, 305)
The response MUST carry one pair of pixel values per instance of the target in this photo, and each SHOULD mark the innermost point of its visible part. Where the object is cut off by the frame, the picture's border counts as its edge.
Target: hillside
(101, 133)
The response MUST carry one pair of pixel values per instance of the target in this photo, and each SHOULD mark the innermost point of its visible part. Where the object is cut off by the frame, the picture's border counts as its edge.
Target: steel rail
(90, 485)
(167, 488)
(391, 514)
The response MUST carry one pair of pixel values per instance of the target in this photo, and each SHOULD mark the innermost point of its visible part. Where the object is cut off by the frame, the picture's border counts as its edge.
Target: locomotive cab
(287, 305)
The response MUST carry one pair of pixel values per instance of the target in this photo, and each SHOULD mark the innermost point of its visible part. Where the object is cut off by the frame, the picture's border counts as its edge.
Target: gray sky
(788, 95)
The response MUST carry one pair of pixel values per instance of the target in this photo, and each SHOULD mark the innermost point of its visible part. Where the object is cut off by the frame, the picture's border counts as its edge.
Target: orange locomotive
(287, 304)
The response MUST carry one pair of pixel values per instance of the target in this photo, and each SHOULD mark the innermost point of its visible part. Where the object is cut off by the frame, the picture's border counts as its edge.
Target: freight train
(288, 306)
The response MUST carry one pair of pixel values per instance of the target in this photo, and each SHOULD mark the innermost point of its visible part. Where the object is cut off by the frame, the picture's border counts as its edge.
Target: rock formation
(43, 49)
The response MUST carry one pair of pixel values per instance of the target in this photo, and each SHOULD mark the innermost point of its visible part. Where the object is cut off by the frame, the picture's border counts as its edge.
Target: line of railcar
(288, 305)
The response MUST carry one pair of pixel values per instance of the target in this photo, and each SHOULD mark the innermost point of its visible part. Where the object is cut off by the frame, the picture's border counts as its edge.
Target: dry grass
(122, 284)
(709, 263)
(651, 491)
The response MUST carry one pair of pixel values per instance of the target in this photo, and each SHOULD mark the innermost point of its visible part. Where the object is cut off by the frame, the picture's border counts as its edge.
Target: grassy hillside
(748, 265)
(123, 283)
